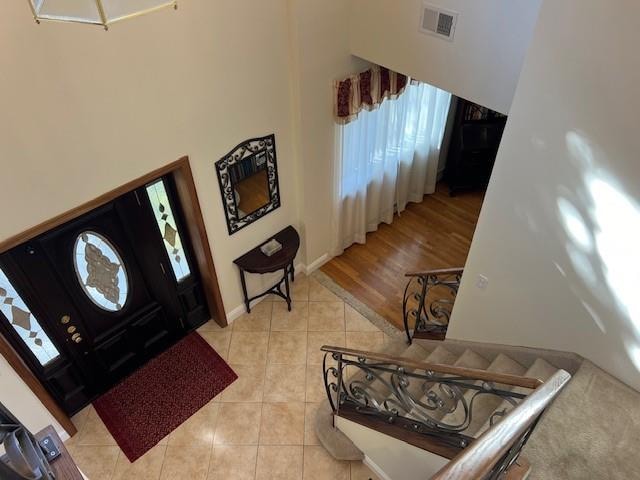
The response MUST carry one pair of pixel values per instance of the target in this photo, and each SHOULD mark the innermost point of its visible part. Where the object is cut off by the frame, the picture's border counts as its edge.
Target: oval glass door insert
(100, 271)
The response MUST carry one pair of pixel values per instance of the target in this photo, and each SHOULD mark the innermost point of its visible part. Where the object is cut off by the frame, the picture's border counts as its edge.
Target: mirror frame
(246, 149)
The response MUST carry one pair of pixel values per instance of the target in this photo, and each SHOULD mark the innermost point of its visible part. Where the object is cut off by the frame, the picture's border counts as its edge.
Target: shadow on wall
(601, 236)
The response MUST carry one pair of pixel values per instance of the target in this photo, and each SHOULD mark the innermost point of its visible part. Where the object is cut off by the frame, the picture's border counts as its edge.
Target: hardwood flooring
(436, 233)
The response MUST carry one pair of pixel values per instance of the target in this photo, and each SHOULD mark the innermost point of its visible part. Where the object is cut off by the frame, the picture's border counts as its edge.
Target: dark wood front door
(111, 289)
(116, 322)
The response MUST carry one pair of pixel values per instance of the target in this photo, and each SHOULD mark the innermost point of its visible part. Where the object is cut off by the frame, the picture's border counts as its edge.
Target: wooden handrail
(472, 373)
(480, 458)
(442, 271)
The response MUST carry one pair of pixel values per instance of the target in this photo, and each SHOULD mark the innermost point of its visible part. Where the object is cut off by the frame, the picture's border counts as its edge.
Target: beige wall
(482, 63)
(559, 231)
(321, 55)
(87, 110)
(84, 111)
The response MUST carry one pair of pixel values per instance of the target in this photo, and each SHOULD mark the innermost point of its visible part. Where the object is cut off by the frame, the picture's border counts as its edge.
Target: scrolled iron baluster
(429, 316)
(423, 398)
(332, 386)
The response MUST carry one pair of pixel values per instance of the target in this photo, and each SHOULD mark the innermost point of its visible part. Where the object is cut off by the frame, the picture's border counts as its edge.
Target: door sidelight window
(25, 323)
(168, 229)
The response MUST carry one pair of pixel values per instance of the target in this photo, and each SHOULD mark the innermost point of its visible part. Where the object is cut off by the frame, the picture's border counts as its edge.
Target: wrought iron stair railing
(497, 450)
(427, 405)
(428, 301)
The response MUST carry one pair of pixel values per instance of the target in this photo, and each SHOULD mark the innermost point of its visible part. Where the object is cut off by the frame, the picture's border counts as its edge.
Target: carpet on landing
(592, 431)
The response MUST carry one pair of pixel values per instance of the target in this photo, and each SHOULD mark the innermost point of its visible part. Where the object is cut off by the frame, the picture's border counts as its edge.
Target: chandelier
(95, 12)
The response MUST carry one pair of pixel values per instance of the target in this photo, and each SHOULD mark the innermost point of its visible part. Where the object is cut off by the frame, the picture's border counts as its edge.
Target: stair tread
(415, 352)
(377, 388)
(442, 356)
(418, 353)
(485, 405)
(540, 369)
(394, 346)
(468, 359)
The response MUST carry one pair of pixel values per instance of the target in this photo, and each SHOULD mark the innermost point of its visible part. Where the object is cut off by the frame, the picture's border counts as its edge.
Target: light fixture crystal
(95, 12)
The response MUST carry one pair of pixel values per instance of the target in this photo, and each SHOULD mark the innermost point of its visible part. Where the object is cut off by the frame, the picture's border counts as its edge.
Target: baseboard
(241, 309)
(316, 264)
(64, 436)
(376, 469)
(236, 313)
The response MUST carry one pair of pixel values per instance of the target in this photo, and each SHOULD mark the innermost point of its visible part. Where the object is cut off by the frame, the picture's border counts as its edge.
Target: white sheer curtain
(385, 159)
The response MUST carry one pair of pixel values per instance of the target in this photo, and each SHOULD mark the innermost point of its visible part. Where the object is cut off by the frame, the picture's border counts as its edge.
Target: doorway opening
(408, 267)
(90, 296)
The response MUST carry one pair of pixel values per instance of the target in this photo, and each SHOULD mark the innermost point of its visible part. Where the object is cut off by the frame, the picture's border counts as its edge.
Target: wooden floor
(436, 233)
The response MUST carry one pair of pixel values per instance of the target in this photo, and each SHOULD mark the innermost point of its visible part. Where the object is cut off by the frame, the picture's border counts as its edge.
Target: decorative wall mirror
(248, 177)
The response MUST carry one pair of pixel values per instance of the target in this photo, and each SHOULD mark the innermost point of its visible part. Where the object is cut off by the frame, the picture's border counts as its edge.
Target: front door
(112, 289)
(111, 316)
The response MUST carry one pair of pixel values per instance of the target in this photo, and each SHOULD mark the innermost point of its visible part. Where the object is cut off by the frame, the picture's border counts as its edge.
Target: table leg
(244, 291)
(286, 288)
(293, 272)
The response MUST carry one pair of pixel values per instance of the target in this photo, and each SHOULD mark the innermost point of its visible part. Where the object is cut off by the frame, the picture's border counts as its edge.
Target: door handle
(76, 338)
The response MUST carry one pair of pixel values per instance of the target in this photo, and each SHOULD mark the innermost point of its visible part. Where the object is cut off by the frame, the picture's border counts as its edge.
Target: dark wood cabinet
(475, 139)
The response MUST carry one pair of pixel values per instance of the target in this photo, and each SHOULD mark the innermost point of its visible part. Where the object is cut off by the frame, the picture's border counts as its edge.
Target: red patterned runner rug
(157, 398)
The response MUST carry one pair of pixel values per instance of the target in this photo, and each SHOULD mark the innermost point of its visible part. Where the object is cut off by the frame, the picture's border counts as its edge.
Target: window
(25, 323)
(100, 271)
(168, 229)
(389, 157)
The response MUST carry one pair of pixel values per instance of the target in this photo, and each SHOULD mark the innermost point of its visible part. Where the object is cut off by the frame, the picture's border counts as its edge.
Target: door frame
(180, 171)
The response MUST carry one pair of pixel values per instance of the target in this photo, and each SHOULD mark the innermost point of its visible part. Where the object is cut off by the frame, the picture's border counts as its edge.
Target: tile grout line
(305, 402)
(264, 387)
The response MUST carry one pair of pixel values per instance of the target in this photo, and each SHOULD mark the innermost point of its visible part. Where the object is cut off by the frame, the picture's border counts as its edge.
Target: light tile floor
(261, 427)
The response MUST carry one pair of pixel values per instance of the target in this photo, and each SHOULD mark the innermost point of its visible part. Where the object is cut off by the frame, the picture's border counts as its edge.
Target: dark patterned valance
(366, 90)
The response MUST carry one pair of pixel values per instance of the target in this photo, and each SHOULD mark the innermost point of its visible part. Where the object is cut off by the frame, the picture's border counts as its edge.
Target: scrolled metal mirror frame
(243, 150)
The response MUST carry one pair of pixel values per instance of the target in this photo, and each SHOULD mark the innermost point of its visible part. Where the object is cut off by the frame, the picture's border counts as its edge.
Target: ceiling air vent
(439, 22)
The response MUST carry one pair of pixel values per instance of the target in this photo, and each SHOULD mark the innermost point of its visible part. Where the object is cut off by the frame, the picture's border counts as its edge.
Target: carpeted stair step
(419, 354)
(484, 405)
(415, 352)
(378, 388)
(439, 356)
(541, 369)
(336, 443)
(396, 346)
(468, 359)
(392, 347)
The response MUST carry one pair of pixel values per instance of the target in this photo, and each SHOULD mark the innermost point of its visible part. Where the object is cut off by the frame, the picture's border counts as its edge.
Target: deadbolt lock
(65, 319)
(71, 329)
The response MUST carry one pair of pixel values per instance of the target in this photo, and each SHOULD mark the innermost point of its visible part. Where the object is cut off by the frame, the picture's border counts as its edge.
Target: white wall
(84, 111)
(397, 459)
(22, 402)
(482, 63)
(559, 231)
(321, 55)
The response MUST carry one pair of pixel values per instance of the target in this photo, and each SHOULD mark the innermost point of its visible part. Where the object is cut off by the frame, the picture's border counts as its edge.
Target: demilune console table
(254, 261)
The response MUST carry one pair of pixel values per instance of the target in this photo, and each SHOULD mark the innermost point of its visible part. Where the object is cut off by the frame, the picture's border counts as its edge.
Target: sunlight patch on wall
(617, 238)
(575, 225)
(603, 239)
